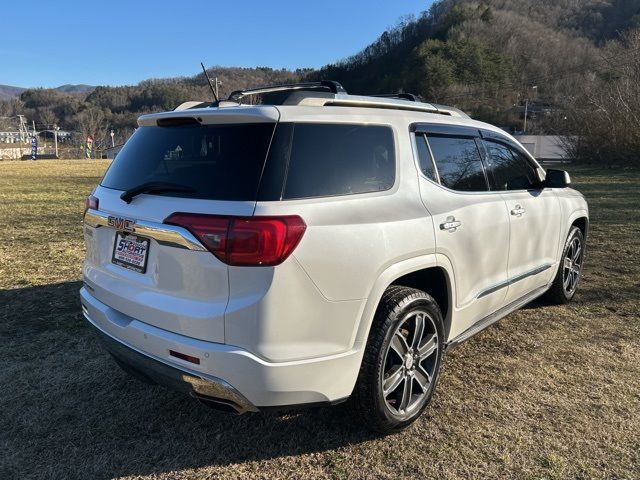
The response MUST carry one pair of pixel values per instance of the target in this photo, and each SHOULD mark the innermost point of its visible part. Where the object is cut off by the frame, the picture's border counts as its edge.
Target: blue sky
(117, 42)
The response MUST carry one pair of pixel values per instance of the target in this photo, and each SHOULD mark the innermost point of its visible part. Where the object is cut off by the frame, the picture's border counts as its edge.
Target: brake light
(90, 202)
(244, 241)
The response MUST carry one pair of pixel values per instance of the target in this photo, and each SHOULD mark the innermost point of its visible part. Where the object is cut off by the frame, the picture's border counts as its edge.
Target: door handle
(451, 224)
(517, 211)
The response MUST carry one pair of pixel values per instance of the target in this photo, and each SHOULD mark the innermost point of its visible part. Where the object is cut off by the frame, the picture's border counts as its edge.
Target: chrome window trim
(169, 235)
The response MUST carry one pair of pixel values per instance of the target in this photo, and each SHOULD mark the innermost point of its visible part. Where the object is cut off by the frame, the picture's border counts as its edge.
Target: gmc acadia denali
(319, 247)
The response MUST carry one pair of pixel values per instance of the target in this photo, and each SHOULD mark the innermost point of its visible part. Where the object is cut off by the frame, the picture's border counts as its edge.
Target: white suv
(319, 247)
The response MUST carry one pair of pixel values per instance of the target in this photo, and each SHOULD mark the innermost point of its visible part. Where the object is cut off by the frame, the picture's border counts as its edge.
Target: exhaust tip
(219, 404)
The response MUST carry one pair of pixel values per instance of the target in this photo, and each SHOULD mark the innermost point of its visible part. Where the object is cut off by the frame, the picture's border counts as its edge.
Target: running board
(494, 317)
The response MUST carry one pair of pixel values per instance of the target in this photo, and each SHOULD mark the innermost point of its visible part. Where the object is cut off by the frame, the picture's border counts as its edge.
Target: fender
(575, 214)
(386, 278)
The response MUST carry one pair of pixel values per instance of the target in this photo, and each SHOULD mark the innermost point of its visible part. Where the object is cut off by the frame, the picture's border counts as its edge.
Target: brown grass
(551, 392)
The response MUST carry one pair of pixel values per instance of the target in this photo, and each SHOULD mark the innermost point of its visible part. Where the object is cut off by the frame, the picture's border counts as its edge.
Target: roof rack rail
(401, 96)
(332, 93)
(326, 85)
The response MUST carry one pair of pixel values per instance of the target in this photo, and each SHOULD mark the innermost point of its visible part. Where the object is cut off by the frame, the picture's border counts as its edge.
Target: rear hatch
(205, 162)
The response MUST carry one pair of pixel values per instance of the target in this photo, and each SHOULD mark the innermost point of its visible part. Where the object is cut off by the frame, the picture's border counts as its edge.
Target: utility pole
(23, 129)
(216, 84)
(55, 137)
(526, 109)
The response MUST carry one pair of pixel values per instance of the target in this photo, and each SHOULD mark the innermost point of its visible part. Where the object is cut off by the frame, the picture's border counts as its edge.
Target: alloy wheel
(410, 362)
(572, 265)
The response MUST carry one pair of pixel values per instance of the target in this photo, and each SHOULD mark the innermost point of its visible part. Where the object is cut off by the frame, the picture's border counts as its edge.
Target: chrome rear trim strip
(169, 235)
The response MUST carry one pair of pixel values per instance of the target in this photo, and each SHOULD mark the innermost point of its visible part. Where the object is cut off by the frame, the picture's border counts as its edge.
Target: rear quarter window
(338, 159)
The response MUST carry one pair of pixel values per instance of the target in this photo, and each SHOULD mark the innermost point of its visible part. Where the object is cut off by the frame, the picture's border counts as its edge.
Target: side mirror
(557, 179)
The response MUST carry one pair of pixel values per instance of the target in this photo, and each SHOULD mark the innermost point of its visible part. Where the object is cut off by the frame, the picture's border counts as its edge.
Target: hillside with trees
(575, 63)
(103, 108)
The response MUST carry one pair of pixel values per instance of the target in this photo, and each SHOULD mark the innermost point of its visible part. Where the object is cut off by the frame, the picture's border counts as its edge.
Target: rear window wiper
(155, 187)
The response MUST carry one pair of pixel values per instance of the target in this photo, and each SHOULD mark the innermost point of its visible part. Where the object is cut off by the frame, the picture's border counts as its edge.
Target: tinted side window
(511, 171)
(531, 172)
(459, 163)
(339, 159)
(424, 157)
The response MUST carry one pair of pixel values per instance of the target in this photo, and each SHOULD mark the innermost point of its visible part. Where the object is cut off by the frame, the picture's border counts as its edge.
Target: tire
(414, 374)
(563, 289)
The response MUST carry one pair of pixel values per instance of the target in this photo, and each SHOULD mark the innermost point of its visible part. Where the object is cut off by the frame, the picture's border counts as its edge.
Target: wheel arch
(582, 222)
(427, 273)
(434, 281)
(578, 218)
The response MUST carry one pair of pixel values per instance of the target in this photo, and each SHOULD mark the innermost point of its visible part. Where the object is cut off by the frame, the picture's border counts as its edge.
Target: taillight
(244, 241)
(90, 202)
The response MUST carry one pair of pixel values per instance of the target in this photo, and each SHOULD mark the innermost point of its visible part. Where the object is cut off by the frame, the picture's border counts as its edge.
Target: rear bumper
(226, 374)
(206, 388)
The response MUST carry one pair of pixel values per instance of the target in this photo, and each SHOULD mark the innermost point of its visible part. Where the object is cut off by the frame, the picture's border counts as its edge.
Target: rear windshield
(220, 162)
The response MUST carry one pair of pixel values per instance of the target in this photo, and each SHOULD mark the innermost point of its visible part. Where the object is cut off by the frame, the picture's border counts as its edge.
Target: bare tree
(92, 121)
(604, 112)
(46, 118)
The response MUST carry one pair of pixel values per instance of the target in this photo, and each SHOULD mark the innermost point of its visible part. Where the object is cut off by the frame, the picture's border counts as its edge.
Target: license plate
(131, 251)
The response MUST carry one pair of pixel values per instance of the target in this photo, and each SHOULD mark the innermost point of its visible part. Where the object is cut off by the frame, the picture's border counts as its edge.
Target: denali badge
(122, 224)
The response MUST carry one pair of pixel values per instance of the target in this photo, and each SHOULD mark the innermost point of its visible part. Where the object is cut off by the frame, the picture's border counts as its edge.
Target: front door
(534, 215)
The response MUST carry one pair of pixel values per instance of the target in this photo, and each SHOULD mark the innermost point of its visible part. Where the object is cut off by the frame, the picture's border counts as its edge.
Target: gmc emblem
(122, 224)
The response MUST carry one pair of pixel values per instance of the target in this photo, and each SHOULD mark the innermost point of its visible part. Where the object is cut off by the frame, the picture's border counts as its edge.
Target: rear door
(157, 273)
(534, 216)
(471, 223)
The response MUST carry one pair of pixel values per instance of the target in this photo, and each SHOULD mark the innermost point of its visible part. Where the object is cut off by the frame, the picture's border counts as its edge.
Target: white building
(13, 137)
(545, 148)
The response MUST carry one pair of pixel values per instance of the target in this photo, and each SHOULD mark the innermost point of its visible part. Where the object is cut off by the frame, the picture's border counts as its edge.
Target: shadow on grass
(30, 310)
(71, 412)
(68, 411)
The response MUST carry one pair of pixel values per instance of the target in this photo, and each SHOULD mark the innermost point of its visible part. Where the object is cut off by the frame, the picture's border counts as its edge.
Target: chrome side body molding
(513, 280)
(495, 316)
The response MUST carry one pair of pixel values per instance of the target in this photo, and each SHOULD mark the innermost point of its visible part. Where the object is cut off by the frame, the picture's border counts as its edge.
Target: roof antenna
(206, 75)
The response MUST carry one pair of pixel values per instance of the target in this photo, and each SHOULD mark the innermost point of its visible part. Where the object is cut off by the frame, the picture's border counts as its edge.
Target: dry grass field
(549, 392)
